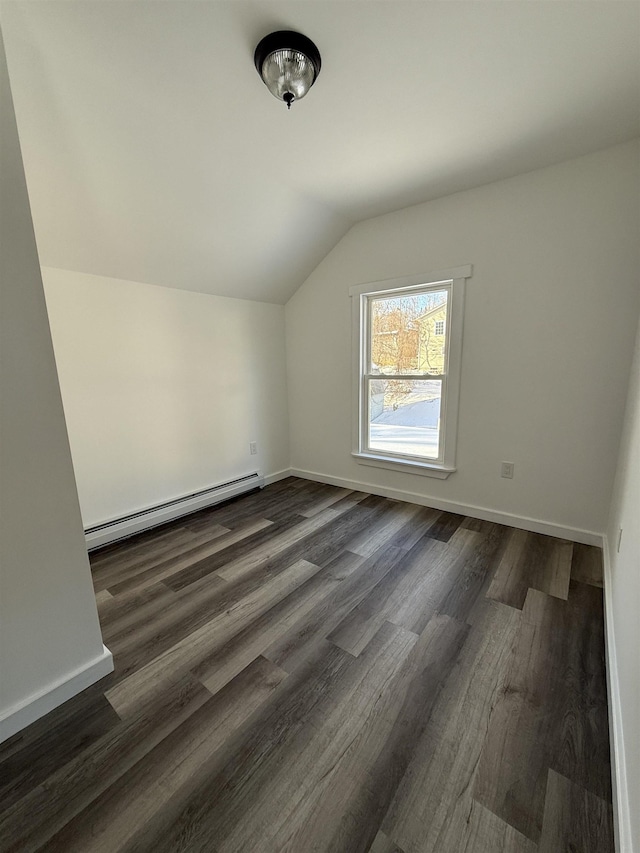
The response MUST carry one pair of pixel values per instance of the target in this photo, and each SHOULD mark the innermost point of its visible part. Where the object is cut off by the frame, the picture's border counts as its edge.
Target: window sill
(426, 469)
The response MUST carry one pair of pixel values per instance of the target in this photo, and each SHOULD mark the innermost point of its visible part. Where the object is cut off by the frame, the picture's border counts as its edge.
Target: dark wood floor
(312, 669)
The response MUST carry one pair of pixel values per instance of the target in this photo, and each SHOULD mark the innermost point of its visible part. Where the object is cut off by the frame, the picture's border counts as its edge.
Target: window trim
(455, 278)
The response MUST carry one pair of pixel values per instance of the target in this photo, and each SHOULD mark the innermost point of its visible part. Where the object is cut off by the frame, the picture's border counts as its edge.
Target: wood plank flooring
(308, 668)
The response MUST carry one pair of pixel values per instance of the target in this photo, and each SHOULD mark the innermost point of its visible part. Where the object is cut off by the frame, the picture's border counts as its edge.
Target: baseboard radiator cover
(144, 519)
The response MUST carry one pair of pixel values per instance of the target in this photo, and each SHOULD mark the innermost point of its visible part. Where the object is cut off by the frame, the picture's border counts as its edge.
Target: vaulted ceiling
(154, 153)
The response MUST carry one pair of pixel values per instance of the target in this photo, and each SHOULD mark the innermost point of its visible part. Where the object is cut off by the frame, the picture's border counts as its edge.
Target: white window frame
(439, 328)
(453, 280)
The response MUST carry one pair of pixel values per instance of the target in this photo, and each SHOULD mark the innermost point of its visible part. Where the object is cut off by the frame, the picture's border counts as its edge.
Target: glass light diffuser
(288, 72)
(288, 63)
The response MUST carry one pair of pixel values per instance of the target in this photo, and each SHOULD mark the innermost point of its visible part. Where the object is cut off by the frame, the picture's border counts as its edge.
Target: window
(408, 348)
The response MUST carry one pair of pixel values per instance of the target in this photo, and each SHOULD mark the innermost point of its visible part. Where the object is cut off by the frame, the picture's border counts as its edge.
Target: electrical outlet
(253, 448)
(507, 470)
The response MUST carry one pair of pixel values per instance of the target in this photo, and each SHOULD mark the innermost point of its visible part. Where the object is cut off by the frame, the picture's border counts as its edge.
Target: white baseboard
(278, 475)
(621, 805)
(587, 537)
(22, 715)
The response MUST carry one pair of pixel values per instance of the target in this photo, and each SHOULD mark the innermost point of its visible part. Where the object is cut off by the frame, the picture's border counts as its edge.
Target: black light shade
(289, 64)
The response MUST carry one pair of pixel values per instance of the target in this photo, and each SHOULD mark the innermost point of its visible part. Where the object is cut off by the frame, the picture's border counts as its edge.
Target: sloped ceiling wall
(154, 153)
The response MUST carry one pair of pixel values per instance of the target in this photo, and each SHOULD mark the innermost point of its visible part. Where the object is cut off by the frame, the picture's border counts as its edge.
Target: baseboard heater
(127, 525)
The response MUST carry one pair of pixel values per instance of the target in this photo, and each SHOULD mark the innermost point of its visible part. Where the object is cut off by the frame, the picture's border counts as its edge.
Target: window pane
(408, 333)
(404, 416)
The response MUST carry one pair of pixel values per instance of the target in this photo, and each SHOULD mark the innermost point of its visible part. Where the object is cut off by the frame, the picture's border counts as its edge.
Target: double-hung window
(407, 359)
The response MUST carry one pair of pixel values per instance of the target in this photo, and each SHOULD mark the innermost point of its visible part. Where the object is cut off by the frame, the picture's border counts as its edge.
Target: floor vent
(120, 528)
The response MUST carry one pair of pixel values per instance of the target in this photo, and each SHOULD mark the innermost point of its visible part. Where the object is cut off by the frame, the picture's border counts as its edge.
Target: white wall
(549, 324)
(49, 631)
(164, 389)
(623, 606)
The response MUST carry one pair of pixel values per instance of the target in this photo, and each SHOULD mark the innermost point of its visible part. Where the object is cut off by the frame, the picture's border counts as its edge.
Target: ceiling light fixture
(289, 64)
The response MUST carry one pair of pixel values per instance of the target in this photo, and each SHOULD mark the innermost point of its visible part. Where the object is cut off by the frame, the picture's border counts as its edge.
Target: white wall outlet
(253, 447)
(507, 470)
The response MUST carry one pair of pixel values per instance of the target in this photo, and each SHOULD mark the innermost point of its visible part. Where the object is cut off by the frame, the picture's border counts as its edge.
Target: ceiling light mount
(288, 63)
